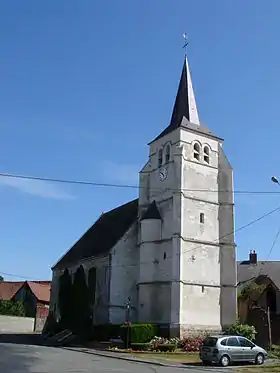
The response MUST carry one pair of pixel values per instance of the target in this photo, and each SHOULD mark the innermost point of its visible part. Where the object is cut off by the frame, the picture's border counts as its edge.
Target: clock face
(163, 174)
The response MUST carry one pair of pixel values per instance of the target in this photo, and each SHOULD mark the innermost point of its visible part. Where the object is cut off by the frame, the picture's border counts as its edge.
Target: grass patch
(267, 368)
(171, 357)
(275, 352)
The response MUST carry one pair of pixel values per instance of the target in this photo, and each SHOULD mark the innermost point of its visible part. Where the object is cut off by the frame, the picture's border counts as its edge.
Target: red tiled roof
(48, 282)
(8, 289)
(41, 291)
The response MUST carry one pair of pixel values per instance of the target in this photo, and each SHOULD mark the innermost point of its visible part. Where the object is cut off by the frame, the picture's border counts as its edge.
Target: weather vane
(186, 38)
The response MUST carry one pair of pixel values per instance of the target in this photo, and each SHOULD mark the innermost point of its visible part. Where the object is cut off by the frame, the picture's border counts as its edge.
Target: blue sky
(73, 72)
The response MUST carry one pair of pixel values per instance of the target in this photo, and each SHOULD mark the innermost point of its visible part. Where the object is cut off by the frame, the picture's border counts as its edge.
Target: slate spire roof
(185, 105)
(152, 212)
(185, 113)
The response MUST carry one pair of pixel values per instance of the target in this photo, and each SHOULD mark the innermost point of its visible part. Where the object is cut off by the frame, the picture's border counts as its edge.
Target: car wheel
(259, 359)
(224, 361)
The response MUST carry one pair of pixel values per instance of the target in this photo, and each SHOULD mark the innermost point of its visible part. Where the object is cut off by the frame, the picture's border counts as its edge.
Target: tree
(248, 297)
(1, 278)
(11, 308)
(252, 292)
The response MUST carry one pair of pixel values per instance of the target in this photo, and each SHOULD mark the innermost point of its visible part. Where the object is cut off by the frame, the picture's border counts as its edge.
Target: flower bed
(192, 344)
(189, 345)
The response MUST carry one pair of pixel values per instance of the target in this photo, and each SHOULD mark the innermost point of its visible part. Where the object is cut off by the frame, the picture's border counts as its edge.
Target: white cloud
(35, 187)
(121, 173)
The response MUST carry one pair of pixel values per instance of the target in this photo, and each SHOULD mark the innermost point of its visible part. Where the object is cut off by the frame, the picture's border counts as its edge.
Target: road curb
(141, 361)
(118, 357)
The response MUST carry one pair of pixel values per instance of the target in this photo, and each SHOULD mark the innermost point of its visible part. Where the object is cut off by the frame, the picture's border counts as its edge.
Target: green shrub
(139, 333)
(141, 346)
(11, 308)
(142, 333)
(244, 330)
(105, 332)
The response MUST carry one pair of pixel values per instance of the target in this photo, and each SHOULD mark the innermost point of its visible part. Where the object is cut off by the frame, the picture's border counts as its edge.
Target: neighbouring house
(32, 294)
(169, 252)
(253, 309)
(262, 272)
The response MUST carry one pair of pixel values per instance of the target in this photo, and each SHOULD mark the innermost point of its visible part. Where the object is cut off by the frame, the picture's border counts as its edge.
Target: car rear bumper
(213, 358)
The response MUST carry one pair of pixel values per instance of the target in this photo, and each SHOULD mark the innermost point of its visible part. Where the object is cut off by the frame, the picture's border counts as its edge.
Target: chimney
(253, 257)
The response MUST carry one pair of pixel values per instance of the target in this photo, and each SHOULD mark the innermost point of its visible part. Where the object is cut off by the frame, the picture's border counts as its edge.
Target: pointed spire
(185, 105)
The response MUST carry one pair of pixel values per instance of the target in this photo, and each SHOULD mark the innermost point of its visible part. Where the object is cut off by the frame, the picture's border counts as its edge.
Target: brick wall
(42, 312)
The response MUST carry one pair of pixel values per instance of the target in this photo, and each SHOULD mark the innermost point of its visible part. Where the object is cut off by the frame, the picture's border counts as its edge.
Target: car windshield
(210, 341)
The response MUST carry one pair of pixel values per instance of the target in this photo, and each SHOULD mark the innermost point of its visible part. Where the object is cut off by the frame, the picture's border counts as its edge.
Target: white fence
(15, 324)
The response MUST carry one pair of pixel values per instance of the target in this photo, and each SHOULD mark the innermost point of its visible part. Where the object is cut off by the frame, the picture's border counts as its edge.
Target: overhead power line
(273, 244)
(18, 276)
(250, 223)
(260, 272)
(194, 248)
(230, 233)
(112, 185)
(270, 251)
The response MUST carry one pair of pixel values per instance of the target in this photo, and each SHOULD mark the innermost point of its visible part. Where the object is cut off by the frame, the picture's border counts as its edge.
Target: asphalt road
(20, 358)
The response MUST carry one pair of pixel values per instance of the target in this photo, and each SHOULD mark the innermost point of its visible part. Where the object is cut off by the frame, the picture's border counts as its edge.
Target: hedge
(139, 333)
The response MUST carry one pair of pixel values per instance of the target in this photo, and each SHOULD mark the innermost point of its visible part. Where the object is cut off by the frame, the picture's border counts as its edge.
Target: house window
(160, 157)
(196, 151)
(201, 218)
(167, 154)
(206, 154)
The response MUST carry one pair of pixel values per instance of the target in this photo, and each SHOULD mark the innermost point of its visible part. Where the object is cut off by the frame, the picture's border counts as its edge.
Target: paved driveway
(20, 358)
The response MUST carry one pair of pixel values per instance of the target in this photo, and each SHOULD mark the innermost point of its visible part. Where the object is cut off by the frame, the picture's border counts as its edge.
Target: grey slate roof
(102, 235)
(247, 271)
(152, 212)
(181, 111)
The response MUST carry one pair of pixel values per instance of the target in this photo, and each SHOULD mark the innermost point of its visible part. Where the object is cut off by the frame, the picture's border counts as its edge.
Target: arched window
(160, 157)
(196, 151)
(167, 154)
(206, 154)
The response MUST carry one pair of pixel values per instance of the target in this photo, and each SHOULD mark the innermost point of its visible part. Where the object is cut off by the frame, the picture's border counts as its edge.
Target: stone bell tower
(187, 270)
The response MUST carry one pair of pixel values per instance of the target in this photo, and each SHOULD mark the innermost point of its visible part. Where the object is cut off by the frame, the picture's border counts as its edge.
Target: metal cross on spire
(186, 38)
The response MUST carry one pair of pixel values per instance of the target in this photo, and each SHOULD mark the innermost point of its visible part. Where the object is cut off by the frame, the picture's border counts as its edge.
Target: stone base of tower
(184, 330)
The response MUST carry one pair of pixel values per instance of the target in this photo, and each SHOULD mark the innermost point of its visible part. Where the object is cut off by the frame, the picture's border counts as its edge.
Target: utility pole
(269, 327)
(127, 304)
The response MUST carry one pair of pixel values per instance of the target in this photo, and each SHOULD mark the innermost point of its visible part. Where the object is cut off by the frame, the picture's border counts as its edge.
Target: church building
(171, 252)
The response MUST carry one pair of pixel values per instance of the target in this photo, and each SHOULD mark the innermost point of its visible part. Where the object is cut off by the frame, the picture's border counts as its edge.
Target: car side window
(233, 342)
(224, 342)
(245, 343)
